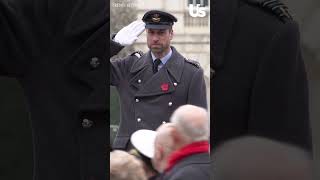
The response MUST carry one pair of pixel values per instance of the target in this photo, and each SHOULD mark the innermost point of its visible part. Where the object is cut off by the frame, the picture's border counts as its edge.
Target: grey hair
(188, 130)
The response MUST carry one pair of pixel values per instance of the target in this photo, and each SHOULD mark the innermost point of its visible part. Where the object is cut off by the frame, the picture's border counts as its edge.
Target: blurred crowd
(180, 150)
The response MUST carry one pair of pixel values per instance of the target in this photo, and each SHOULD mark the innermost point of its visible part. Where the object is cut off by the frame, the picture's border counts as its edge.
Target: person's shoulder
(193, 163)
(272, 12)
(134, 57)
(193, 63)
(191, 171)
(187, 61)
(129, 60)
(275, 9)
(137, 54)
(192, 67)
(196, 166)
(269, 16)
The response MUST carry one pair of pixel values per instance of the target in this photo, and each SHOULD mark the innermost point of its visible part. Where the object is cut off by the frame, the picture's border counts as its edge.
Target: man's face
(158, 40)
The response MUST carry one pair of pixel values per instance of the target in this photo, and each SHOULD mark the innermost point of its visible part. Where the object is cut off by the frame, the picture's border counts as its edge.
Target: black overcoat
(57, 50)
(260, 84)
(196, 166)
(146, 99)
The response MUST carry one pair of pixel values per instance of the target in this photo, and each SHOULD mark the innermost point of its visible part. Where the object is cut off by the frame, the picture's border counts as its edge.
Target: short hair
(124, 166)
(184, 124)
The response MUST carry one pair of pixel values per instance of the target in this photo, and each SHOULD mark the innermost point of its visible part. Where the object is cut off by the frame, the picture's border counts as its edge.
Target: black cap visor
(158, 26)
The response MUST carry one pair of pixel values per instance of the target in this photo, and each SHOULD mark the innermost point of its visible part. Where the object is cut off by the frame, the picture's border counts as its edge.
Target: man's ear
(171, 33)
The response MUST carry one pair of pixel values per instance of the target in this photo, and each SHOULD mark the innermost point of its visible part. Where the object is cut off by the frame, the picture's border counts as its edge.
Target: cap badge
(156, 18)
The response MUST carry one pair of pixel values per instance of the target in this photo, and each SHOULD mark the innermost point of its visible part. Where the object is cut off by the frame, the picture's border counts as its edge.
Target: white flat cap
(143, 141)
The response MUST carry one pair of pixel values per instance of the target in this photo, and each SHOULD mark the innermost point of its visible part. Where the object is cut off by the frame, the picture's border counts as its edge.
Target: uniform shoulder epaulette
(276, 7)
(138, 54)
(193, 62)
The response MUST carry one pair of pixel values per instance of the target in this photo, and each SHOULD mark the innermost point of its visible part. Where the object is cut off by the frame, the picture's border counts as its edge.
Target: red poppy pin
(164, 86)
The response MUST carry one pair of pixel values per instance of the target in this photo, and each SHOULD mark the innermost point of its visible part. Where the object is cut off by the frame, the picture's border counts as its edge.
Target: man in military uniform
(153, 85)
(259, 84)
(57, 51)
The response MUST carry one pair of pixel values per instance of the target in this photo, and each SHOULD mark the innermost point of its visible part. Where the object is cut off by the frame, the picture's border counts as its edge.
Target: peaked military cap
(156, 19)
(143, 141)
(143, 145)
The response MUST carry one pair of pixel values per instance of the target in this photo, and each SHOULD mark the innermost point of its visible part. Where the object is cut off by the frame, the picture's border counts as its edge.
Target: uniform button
(175, 84)
(139, 81)
(138, 119)
(86, 123)
(137, 100)
(94, 62)
(163, 122)
(170, 104)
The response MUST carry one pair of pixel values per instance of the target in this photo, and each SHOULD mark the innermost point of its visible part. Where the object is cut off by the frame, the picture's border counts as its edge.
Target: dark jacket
(57, 51)
(147, 100)
(260, 85)
(194, 167)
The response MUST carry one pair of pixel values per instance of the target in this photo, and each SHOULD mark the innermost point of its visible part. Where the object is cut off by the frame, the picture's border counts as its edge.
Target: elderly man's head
(188, 124)
(192, 123)
(164, 145)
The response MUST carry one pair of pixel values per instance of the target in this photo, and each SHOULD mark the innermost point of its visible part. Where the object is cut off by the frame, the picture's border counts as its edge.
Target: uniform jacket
(260, 84)
(147, 100)
(57, 50)
(196, 166)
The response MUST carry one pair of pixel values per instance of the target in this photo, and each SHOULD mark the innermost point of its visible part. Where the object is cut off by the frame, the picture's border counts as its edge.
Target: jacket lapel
(141, 71)
(161, 82)
(175, 65)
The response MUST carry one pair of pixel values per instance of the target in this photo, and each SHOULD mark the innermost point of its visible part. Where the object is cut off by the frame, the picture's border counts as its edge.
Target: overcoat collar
(174, 65)
(163, 81)
(224, 13)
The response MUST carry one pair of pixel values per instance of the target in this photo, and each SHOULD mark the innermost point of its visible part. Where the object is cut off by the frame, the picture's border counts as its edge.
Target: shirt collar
(164, 59)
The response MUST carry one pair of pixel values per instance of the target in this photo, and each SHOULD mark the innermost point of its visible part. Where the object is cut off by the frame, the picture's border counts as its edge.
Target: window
(203, 3)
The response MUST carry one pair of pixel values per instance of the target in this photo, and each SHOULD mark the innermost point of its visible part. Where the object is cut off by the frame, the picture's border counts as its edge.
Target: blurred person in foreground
(260, 83)
(181, 146)
(257, 158)
(124, 166)
(57, 51)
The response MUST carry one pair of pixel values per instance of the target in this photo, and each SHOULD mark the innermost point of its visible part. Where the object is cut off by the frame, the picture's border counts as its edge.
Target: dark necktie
(155, 65)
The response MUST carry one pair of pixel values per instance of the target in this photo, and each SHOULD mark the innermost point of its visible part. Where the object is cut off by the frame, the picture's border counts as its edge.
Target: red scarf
(188, 150)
